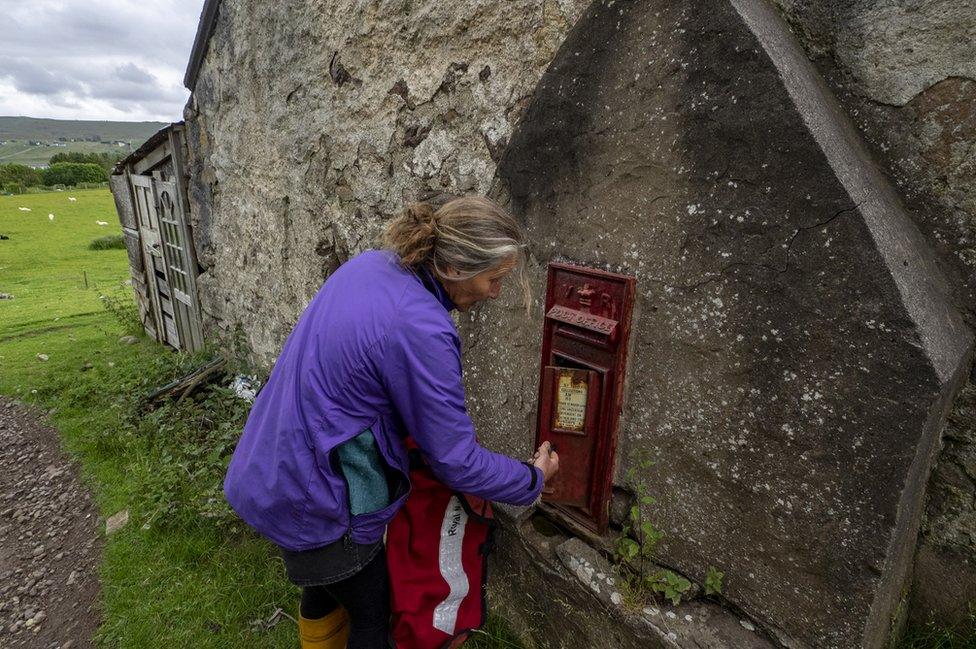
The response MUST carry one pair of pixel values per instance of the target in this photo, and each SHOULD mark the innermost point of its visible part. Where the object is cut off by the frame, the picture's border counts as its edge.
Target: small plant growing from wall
(713, 581)
(638, 542)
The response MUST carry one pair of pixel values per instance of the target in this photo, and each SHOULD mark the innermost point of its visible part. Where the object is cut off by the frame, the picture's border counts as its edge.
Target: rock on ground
(49, 540)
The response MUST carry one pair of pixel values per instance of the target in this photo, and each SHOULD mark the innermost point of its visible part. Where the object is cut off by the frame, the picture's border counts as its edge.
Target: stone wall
(311, 123)
(785, 371)
(907, 73)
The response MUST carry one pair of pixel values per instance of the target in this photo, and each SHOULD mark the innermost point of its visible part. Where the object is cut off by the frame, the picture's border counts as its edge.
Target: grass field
(184, 572)
(45, 264)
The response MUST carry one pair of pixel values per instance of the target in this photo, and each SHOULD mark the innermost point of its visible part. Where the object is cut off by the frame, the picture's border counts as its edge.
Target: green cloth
(363, 467)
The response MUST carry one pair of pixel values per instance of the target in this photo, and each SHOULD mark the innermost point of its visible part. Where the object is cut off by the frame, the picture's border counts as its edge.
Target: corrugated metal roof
(208, 18)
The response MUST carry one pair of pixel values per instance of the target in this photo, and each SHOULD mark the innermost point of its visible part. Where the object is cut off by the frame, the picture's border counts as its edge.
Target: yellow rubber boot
(329, 632)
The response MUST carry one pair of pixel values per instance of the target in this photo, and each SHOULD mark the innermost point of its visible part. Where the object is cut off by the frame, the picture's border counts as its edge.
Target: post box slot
(559, 360)
(583, 335)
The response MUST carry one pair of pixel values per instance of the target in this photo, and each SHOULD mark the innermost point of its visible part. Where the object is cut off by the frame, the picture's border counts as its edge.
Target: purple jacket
(376, 348)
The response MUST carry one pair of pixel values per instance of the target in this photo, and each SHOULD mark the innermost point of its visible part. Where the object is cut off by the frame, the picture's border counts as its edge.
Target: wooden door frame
(165, 153)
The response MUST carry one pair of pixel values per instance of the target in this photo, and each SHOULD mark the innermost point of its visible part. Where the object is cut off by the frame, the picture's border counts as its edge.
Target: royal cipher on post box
(584, 354)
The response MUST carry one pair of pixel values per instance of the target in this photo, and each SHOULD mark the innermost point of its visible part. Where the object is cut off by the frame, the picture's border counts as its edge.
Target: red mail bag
(437, 552)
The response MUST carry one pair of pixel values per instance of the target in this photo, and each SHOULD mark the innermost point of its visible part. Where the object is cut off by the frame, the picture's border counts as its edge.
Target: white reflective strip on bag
(452, 569)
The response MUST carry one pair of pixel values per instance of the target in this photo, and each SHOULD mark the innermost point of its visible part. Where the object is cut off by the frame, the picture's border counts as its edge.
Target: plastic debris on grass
(245, 387)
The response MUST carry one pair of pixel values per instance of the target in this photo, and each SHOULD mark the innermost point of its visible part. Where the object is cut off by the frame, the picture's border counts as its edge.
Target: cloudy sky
(96, 59)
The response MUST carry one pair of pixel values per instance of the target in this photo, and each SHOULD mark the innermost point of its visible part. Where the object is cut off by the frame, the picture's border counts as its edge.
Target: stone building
(791, 184)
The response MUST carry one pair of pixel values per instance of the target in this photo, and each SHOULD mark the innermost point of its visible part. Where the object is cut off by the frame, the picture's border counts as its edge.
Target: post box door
(571, 400)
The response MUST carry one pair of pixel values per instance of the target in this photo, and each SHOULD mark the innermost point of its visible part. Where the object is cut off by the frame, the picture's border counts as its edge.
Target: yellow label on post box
(571, 402)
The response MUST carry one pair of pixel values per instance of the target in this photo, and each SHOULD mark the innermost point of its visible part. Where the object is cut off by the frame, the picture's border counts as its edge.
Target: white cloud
(99, 59)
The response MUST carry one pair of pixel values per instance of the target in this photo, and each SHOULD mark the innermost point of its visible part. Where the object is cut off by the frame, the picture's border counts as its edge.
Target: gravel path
(49, 539)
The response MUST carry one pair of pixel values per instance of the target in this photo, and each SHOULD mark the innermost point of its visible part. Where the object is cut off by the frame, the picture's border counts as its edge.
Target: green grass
(108, 242)
(185, 582)
(934, 636)
(184, 572)
(496, 635)
(46, 264)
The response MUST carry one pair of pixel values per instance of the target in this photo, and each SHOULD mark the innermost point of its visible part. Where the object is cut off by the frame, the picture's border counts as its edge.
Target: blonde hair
(470, 235)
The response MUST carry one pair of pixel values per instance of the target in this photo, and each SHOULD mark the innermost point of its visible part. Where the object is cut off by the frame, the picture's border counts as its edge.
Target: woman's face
(465, 293)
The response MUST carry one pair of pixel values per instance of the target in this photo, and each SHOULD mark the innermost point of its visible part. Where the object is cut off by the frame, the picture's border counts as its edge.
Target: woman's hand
(546, 459)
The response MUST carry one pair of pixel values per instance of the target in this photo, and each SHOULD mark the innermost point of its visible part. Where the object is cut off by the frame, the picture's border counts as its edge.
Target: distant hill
(34, 128)
(32, 140)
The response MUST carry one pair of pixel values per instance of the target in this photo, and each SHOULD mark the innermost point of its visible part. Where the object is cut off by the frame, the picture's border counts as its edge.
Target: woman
(321, 467)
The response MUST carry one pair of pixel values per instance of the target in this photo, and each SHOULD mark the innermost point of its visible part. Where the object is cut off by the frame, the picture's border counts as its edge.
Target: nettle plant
(637, 544)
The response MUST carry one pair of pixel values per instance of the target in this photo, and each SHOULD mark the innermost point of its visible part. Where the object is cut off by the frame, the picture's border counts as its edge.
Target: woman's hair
(470, 234)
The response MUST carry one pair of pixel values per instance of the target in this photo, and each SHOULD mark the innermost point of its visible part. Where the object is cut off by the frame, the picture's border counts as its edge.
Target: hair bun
(413, 234)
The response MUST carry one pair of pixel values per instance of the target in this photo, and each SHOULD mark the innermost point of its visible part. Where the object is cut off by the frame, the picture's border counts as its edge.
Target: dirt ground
(50, 543)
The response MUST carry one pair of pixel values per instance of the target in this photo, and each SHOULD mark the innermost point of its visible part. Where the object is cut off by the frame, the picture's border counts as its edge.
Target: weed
(670, 584)
(193, 443)
(123, 308)
(932, 635)
(713, 581)
(639, 537)
(108, 242)
(638, 542)
(496, 634)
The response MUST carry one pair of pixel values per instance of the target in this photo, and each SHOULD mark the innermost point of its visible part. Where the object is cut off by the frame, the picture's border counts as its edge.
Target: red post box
(584, 355)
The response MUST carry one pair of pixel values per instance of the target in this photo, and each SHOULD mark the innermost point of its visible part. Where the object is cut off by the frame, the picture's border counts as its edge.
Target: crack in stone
(789, 246)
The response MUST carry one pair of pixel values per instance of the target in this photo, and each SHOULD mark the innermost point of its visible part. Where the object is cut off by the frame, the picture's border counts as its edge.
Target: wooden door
(157, 276)
(179, 263)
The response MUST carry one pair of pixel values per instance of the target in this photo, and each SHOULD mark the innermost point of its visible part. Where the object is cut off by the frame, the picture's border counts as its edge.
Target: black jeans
(366, 597)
